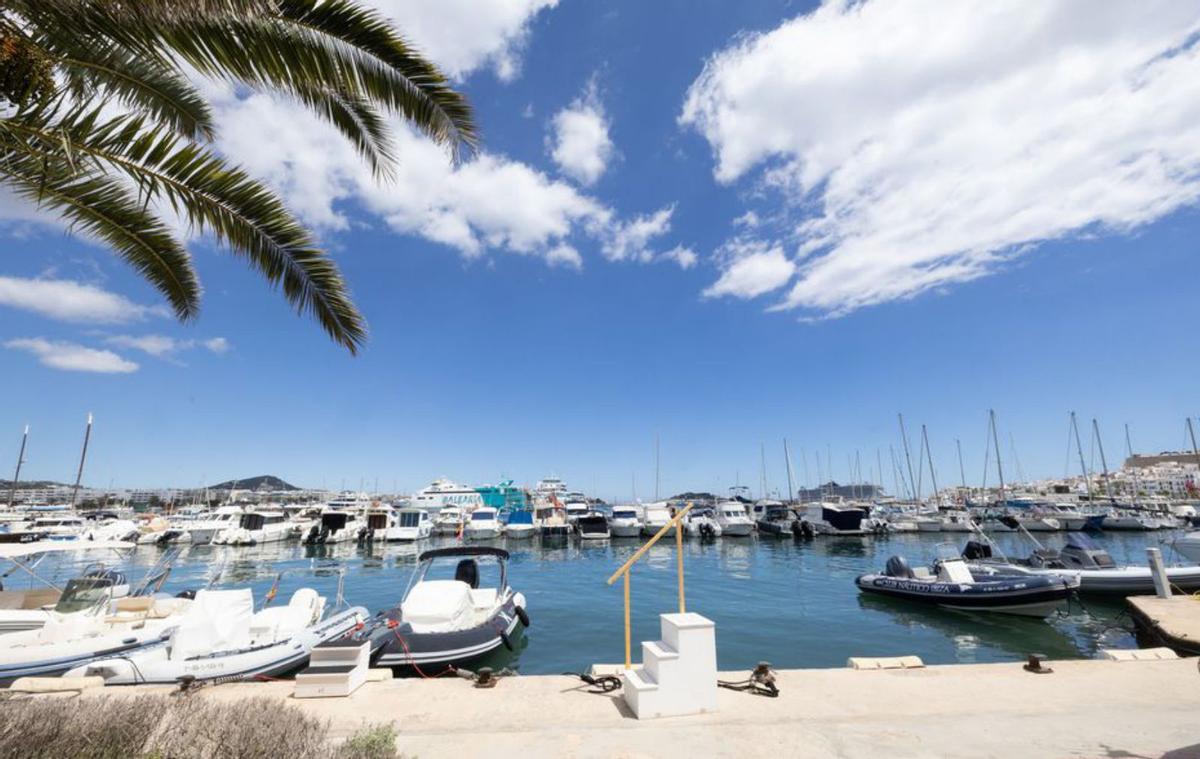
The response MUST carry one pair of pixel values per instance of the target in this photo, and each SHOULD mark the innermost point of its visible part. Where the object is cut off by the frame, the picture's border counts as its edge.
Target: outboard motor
(707, 532)
(897, 566)
(975, 550)
(323, 535)
(802, 529)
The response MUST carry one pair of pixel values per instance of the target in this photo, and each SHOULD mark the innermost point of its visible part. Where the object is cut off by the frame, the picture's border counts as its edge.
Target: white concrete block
(1138, 654)
(885, 662)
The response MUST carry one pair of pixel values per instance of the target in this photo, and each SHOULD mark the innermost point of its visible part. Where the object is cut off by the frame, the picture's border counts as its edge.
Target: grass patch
(165, 727)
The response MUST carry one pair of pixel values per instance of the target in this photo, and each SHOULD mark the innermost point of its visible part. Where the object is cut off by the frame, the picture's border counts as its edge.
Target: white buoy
(1161, 585)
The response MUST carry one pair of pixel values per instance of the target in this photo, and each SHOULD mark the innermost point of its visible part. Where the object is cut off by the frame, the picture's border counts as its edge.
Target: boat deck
(969, 710)
(1172, 622)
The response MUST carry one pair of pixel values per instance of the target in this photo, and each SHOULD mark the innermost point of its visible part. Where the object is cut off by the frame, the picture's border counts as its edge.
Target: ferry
(442, 493)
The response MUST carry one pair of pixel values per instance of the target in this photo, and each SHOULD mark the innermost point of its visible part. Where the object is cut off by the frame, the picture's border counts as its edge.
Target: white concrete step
(659, 660)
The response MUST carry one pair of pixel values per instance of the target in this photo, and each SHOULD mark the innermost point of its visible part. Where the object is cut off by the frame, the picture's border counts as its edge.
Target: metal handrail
(627, 568)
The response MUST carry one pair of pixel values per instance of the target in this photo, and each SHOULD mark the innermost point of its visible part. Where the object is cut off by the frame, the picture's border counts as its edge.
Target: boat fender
(523, 616)
(504, 639)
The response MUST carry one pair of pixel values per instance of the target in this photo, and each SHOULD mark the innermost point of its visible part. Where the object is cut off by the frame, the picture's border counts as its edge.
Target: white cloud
(580, 145)
(72, 356)
(916, 143)
(71, 301)
(489, 203)
(750, 269)
(463, 35)
(217, 345)
(682, 255)
(155, 345)
(630, 240)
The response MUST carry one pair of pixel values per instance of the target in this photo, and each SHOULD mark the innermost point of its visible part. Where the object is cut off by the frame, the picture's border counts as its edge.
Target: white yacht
(549, 489)
(576, 505)
(483, 524)
(379, 521)
(256, 527)
(58, 526)
(411, 524)
(448, 521)
(732, 517)
(442, 494)
(656, 516)
(830, 518)
(702, 523)
(625, 522)
(204, 529)
(337, 525)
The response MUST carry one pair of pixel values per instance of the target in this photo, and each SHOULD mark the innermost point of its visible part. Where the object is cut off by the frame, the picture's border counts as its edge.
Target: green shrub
(372, 742)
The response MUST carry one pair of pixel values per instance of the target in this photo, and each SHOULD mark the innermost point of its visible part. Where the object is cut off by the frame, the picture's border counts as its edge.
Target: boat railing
(627, 568)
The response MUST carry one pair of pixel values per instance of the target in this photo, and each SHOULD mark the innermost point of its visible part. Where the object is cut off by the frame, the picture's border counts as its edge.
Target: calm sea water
(794, 605)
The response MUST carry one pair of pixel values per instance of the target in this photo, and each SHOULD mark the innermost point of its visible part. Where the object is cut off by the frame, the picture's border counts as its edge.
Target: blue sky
(767, 237)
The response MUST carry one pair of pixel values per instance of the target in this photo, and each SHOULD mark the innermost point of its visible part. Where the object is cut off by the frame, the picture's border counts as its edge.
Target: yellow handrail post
(679, 557)
(628, 654)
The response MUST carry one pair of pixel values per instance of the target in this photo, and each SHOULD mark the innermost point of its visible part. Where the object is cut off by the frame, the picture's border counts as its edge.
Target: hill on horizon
(262, 481)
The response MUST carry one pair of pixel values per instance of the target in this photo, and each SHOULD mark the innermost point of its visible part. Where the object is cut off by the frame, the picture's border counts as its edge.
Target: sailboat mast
(908, 458)
(1192, 434)
(1087, 480)
(999, 467)
(1129, 449)
(932, 477)
(962, 473)
(12, 492)
(656, 462)
(1103, 463)
(879, 471)
(787, 460)
(762, 452)
(87, 435)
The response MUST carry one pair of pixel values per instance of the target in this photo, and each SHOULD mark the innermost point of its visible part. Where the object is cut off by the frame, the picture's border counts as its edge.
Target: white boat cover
(438, 606)
(217, 619)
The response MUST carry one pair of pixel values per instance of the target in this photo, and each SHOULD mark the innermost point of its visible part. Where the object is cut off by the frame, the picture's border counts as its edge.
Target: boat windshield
(82, 593)
(624, 515)
(482, 516)
(410, 518)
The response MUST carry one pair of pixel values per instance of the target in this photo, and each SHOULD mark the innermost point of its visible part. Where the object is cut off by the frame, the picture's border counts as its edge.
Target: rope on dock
(599, 683)
(761, 682)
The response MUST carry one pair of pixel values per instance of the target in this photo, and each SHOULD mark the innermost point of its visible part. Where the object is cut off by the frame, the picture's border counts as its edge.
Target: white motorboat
(378, 522)
(592, 526)
(256, 527)
(411, 524)
(58, 526)
(956, 521)
(337, 525)
(204, 529)
(732, 518)
(1091, 565)
(1188, 546)
(449, 521)
(655, 516)
(120, 530)
(927, 523)
(625, 522)
(954, 584)
(444, 623)
(551, 522)
(1039, 523)
(85, 627)
(29, 609)
(1129, 521)
(829, 518)
(701, 524)
(220, 636)
(576, 506)
(484, 524)
(520, 525)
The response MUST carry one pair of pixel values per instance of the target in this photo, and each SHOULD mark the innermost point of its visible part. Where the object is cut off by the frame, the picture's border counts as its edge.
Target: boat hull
(625, 530)
(276, 660)
(408, 653)
(1032, 596)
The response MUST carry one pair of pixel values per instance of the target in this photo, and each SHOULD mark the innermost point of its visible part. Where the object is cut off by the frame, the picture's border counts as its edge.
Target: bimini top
(463, 551)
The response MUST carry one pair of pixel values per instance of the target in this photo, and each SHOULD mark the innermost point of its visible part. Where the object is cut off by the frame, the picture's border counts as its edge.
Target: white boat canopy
(20, 550)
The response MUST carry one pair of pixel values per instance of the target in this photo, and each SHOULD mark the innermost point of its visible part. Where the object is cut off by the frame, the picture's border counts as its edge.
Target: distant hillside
(261, 482)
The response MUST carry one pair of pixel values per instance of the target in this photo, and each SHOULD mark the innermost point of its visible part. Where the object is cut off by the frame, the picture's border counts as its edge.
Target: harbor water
(792, 604)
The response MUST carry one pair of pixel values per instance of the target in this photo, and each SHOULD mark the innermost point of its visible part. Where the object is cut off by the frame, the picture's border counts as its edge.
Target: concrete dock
(1082, 709)
(1172, 622)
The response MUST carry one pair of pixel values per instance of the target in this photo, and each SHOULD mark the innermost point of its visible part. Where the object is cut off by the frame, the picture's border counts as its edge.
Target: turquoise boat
(504, 497)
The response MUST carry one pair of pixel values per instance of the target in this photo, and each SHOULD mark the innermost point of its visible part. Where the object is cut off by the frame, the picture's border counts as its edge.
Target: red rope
(412, 662)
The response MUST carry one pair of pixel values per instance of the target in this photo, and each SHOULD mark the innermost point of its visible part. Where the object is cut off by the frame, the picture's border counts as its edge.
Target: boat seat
(468, 572)
(923, 573)
(956, 571)
(28, 599)
(134, 604)
(437, 606)
(484, 598)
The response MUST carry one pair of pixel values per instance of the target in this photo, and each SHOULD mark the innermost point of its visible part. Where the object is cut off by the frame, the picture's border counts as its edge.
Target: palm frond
(212, 196)
(104, 208)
